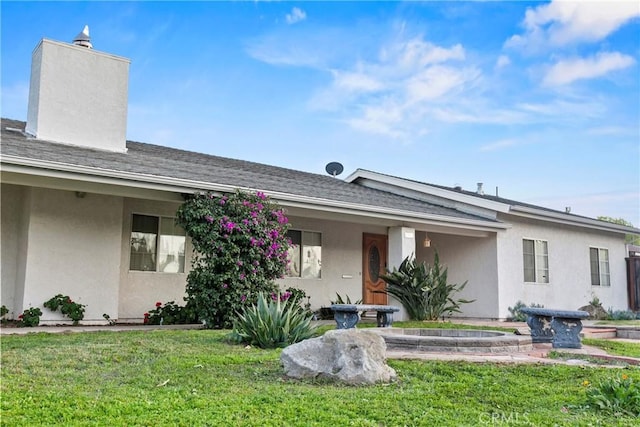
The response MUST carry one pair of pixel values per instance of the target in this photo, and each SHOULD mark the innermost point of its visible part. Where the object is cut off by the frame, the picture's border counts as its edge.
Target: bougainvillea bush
(241, 247)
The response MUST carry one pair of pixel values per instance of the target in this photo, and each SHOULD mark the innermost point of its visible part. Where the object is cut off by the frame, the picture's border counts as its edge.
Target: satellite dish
(334, 169)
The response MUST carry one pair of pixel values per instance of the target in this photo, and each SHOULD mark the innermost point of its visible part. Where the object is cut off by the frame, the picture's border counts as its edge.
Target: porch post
(402, 243)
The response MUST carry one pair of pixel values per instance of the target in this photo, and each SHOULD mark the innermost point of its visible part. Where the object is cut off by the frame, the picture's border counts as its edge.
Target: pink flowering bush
(241, 247)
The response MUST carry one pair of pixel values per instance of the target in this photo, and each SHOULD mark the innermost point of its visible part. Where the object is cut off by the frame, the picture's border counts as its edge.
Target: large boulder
(352, 356)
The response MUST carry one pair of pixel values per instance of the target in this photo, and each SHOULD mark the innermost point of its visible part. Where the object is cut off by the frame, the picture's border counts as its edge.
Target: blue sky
(541, 100)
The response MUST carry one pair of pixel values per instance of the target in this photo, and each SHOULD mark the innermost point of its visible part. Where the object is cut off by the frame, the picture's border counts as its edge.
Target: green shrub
(241, 247)
(517, 315)
(3, 312)
(73, 310)
(170, 314)
(622, 315)
(423, 290)
(616, 396)
(273, 321)
(30, 317)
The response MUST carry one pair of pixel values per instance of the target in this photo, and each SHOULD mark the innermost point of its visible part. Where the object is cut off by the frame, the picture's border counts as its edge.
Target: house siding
(15, 220)
(72, 250)
(341, 260)
(569, 284)
(470, 259)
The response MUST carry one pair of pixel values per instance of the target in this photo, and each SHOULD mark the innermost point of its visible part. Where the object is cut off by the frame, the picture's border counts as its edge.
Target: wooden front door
(374, 264)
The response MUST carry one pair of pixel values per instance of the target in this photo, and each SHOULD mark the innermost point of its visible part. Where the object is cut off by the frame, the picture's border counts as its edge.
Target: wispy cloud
(561, 23)
(614, 131)
(393, 93)
(502, 61)
(499, 145)
(569, 70)
(296, 15)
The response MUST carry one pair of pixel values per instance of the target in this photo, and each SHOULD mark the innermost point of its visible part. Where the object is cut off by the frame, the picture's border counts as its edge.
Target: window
(536, 261)
(157, 244)
(599, 259)
(305, 254)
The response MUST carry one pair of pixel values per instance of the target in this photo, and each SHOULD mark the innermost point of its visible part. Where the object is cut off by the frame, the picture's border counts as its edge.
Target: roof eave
(27, 166)
(568, 219)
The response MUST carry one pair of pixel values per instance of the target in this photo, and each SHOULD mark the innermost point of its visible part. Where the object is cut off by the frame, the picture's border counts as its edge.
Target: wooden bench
(346, 315)
(559, 327)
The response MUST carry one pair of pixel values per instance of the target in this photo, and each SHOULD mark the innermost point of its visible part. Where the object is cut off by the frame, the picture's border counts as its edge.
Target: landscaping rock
(596, 312)
(352, 356)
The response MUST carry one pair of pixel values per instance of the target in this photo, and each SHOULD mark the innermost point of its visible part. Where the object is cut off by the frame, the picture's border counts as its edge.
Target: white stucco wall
(140, 290)
(13, 232)
(471, 259)
(341, 260)
(569, 284)
(74, 249)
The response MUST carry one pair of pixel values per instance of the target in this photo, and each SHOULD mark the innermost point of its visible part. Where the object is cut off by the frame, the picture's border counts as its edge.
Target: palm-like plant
(423, 290)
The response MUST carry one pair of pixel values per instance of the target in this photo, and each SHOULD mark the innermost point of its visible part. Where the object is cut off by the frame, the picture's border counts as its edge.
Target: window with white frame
(157, 244)
(305, 254)
(536, 261)
(599, 260)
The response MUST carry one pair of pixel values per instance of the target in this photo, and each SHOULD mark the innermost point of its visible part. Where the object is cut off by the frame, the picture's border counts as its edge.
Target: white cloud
(393, 94)
(570, 70)
(296, 16)
(499, 145)
(561, 23)
(356, 81)
(613, 131)
(437, 81)
(503, 61)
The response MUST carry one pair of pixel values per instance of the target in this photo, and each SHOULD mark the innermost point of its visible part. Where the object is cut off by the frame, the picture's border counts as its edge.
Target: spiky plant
(423, 290)
(272, 322)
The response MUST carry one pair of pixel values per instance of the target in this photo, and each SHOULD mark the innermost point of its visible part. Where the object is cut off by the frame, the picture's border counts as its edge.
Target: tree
(631, 239)
(240, 247)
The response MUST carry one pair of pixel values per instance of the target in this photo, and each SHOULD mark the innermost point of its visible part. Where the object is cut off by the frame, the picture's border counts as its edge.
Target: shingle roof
(510, 202)
(168, 162)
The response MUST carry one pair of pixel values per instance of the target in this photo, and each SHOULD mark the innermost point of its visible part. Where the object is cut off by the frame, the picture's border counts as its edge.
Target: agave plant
(272, 322)
(423, 290)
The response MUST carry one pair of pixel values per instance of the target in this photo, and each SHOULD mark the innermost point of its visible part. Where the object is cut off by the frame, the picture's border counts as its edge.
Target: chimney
(78, 96)
(480, 191)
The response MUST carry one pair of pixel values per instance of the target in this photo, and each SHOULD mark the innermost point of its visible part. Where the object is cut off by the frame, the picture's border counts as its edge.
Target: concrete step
(599, 333)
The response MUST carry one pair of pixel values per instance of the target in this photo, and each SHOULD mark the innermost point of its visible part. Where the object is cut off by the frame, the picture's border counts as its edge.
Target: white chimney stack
(78, 96)
(480, 191)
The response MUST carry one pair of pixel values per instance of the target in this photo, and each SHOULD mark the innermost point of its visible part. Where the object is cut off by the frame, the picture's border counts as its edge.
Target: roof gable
(480, 204)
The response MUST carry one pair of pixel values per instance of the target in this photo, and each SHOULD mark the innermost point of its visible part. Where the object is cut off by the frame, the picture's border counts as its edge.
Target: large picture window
(599, 259)
(536, 261)
(157, 244)
(305, 254)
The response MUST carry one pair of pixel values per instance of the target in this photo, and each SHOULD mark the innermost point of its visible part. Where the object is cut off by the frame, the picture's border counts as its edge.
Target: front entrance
(374, 264)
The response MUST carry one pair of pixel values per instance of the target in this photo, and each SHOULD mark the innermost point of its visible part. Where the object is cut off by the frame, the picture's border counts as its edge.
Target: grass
(186, 378)
(619, 322)
(618, 348)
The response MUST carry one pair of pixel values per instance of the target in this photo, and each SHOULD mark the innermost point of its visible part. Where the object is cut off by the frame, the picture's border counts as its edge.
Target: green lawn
(619, 348)
(194, 378)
